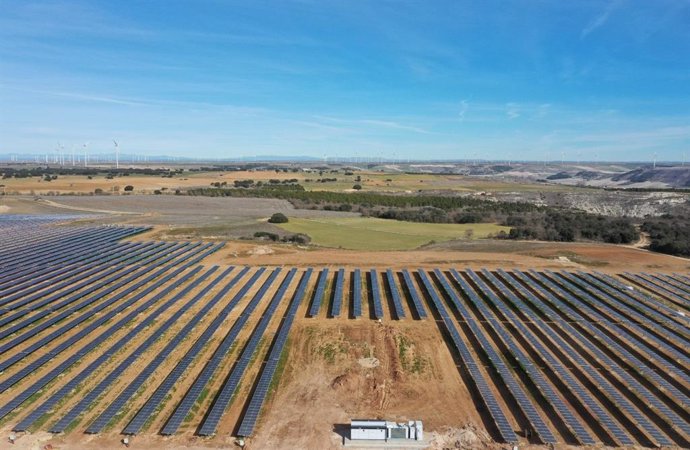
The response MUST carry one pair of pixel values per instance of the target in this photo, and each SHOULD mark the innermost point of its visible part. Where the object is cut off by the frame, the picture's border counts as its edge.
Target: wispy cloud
(599, 20)
(464, 105)
(512, 110)
(376, 123)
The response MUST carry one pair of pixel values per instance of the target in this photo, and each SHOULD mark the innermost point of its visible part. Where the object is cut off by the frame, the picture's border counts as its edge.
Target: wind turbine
(86, 154)
(117, 154)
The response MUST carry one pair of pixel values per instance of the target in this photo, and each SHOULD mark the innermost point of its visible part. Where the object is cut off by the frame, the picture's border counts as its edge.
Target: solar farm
(108, 336)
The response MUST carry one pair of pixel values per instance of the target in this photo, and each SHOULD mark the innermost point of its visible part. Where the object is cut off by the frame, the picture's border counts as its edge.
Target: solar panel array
(222, 400)
(318, 293)
(91, 323)
(393, 288)
(251, 414)
(497, 413)
(356, 293)
(516, 389)
(193, 393)
(337, 304)
(596, 335)
(416, 301)
(375, 294)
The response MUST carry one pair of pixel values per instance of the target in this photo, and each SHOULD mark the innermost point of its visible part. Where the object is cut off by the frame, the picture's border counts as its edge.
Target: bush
(129, 188)
(357, 187)
(266, 235)
(298, 238)
(278, 218)
(98, 191)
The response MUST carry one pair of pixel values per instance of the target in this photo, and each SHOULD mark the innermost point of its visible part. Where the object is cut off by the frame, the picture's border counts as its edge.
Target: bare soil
(325, 385)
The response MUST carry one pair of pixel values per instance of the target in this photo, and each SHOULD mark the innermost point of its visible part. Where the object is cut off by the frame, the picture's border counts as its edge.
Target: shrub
(266, 235)
(129, 188)
(357, 187)
(278, 218)
(298, 238)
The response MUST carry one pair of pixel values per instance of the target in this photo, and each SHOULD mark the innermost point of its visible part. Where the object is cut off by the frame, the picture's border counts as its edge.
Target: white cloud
(601, 19)
(464, 105)
(512, 110)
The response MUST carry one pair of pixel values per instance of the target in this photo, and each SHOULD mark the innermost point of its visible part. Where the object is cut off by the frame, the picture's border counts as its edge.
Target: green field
(364, 233)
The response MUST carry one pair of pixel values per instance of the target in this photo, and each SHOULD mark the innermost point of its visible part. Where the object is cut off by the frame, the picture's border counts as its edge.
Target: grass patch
(366, 233)
(414, 363)
(573, 257)
(330, 350)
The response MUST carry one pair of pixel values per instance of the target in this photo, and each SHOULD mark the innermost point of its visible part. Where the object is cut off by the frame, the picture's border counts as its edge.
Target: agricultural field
(366, 233)
(107, 333)
(370, 181)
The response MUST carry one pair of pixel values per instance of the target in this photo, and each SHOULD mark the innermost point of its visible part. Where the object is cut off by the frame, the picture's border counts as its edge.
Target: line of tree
(527, 221)
(306, 199)
(28, 172)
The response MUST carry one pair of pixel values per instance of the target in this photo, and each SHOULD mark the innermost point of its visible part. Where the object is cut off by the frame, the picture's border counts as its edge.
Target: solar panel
(318, 293)
(210, 423)
(336, 306)
(375, 294)
(183, 408)
(184, 363)
(88, 398)
(76, 321)
(647, 397)
(611, 303)
(644, 300)
(517, 391)
(575, 426)
(412, 290)
(581, 393)
(356, 293)
(251, 414)
(33, 366)
(658, 290)
(500, 420)
(70, 361)
(399, 311)
(589, 310)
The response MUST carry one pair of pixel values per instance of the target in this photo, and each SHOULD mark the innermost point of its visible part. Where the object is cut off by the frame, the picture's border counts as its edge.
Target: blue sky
(492, 79)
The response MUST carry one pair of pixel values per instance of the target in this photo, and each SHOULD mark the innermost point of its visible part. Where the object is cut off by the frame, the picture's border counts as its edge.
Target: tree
(129, 188)
(357, 187)
(278, 218)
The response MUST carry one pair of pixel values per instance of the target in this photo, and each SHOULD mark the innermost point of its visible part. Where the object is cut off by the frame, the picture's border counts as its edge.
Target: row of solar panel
(398, 311)
(597, 339)
(559, 372)
(117, 283)
(65, 277)
(61, 248)
(258, 396)
(578, 365)
(62, 256)
(121, 301)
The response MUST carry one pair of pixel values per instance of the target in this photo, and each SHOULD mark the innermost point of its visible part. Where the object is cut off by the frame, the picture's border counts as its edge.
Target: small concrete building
(382, 430)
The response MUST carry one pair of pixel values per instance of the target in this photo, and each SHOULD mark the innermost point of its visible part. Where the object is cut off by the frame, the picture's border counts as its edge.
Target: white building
(382, 430)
